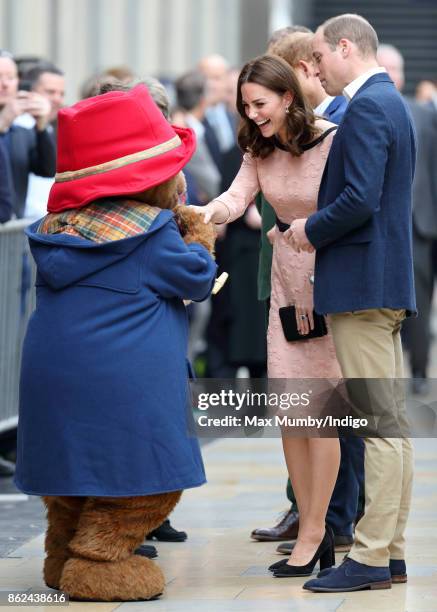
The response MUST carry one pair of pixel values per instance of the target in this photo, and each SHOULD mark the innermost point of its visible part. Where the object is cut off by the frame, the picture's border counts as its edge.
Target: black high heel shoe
(324, 554)
(331, 536)
(278, 564)
(283, 562)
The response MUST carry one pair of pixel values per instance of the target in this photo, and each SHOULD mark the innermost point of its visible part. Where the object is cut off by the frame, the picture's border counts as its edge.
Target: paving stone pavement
(19, 522)
(220, 569)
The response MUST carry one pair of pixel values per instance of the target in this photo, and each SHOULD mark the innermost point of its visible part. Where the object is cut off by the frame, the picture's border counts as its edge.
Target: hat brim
(133, 178)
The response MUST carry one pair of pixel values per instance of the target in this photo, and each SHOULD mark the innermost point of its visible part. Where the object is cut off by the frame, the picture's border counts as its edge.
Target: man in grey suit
(424, 221)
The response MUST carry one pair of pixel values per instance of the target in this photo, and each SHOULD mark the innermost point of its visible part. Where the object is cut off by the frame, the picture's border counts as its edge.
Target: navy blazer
(213, 144)
(362, 230)
(30, 151)
(335, 111)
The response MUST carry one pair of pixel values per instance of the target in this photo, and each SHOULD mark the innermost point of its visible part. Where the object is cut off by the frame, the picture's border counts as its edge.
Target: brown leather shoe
(286, 529)
(286, 548)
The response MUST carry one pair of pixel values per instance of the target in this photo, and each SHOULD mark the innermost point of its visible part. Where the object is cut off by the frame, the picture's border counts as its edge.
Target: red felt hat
(118, 143)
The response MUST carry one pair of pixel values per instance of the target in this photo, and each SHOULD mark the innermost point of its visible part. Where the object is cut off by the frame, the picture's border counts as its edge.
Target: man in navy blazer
(364, 279)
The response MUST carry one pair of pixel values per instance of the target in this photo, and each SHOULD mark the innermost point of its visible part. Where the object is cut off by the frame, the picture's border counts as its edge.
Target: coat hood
(63, 260)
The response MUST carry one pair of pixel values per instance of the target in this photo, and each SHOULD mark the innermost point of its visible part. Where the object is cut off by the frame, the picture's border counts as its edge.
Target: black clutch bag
(287, 315)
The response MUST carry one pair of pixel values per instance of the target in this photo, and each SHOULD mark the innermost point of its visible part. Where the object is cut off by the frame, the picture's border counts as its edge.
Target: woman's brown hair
(275, 74)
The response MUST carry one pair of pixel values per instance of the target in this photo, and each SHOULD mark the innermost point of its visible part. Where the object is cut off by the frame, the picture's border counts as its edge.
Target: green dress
(266, 250)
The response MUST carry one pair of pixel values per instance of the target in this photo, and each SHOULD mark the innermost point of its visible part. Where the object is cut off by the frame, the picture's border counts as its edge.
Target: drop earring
(287, 110)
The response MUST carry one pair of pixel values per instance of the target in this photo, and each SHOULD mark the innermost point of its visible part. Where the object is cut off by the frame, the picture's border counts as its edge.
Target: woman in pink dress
(286, 149)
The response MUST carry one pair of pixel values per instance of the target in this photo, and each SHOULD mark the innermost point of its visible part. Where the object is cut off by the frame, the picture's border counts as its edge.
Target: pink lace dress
(291, 185)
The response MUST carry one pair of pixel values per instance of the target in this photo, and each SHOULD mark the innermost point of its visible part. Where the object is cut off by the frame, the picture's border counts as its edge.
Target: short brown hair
(156, 90)
(275, 74)
(353, 27)
(283, 32)
(294, 48)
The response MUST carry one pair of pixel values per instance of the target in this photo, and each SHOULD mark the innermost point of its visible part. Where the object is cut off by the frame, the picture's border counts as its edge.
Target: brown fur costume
(90, 541)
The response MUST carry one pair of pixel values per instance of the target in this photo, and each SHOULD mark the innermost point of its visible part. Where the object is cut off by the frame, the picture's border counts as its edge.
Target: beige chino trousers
(368, 345)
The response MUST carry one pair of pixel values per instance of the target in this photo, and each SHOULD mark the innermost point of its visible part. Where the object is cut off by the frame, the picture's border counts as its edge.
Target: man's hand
(297, 237)
(39, 107)
(14, 108)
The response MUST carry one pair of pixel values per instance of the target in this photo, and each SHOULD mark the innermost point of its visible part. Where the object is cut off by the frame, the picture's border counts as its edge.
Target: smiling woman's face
(266, 108)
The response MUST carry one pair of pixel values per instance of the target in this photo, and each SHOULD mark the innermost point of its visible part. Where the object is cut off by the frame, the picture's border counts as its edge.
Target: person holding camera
(28, 150)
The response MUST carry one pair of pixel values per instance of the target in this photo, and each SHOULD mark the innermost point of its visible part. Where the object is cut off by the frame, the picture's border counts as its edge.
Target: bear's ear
(181, 186)
(163, 196)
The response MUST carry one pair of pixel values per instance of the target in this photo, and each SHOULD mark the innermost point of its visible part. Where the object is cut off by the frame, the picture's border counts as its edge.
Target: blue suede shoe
(398, 571)
(351, 576)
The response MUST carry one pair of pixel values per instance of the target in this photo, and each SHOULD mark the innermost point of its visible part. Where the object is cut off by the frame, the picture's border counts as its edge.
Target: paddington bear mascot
(104, 425)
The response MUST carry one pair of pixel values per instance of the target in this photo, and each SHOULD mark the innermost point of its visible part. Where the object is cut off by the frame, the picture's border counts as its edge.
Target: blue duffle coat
(104, 396)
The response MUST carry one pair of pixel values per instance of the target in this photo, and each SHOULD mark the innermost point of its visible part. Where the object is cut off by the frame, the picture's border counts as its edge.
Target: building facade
(167, 37)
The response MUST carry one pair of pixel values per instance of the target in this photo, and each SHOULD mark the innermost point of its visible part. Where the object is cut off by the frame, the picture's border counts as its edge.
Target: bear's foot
(52, 572)
(133, 579)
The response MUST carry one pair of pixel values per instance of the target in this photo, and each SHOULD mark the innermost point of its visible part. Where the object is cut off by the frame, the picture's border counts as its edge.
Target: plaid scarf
(102, 221)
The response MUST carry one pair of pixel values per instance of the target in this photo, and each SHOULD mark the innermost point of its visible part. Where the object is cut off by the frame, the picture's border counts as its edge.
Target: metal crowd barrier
(17, 302)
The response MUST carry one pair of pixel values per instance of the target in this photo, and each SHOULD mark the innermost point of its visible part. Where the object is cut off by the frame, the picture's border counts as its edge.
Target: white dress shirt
(350, 90)
(38, 187)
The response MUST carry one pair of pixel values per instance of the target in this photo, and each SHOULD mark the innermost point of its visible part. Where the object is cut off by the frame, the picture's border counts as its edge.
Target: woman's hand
(215, 211)
(304, 319)
(271, 234)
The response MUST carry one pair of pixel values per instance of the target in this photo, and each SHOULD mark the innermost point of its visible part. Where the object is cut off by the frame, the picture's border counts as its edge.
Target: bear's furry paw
(133, 579)
(193, 229)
